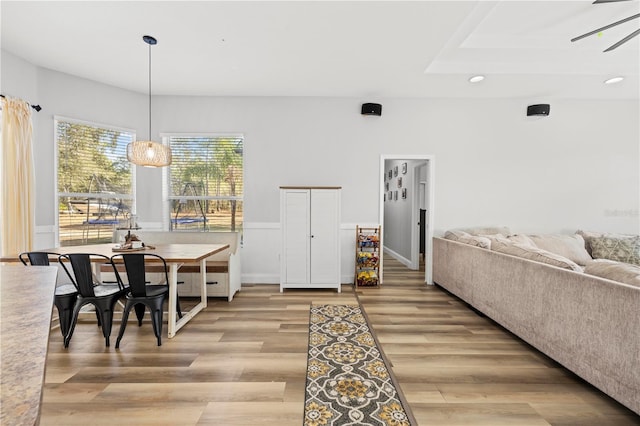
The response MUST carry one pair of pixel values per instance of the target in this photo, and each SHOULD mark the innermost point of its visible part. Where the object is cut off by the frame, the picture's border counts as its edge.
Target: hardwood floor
(244, 363)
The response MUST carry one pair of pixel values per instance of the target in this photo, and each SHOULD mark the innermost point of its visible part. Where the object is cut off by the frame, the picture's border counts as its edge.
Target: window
(204, 184)
(95, 188)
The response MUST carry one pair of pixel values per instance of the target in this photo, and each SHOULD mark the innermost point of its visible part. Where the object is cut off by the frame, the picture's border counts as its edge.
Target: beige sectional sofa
(589, 324)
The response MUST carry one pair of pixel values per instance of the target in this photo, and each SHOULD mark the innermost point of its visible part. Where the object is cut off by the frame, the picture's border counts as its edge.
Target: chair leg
(157, 324)
(155, 306)
(107, 322)
(74, 319)
(123, 323)
(105, 307)
(178, 307)
(140, 308)
(64, 305)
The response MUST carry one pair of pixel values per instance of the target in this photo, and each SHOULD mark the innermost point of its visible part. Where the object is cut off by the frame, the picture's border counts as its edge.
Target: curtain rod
(36, 107)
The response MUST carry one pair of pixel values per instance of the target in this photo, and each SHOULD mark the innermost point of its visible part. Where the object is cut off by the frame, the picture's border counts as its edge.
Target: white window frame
(56, 199)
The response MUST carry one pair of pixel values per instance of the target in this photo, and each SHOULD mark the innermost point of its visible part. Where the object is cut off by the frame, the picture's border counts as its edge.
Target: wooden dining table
(175, 255)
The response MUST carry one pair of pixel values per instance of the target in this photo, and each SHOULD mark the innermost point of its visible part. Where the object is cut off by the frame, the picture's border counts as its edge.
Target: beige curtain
(17, 178)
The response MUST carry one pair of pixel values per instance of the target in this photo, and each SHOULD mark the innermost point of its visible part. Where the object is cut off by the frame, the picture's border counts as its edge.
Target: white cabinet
(310, 223)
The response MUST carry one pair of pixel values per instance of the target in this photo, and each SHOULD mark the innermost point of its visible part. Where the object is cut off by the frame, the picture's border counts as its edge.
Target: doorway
(406, 192)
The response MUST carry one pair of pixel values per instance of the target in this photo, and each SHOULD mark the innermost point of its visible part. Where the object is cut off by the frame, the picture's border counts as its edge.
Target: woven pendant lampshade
(149, 153)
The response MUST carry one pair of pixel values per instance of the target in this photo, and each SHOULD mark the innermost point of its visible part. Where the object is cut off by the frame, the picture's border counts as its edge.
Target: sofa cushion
(570, 246)
(615, 271)
(619, 248)
(534, 253)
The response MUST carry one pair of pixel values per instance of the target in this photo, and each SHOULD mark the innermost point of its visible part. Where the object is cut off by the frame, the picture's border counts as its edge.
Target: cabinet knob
(312, 236)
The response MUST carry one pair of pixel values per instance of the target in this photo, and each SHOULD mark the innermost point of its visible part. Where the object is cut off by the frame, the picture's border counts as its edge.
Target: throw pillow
(466, 238)
(588, 235)
(475, 240)
(487, 230)
(621, 249)
(615, 271)
(521, 239)
(535, 254)
(570, 246)
(455, 234)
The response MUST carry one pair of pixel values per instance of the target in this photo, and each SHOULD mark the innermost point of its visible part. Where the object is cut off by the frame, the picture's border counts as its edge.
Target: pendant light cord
(150, 41)
(149, 91)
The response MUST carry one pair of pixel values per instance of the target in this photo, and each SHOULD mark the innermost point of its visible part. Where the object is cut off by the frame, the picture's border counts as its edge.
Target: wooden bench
(223, 269)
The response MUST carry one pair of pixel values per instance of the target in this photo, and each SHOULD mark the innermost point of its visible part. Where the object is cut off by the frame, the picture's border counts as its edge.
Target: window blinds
(206, 168)
(92, 160)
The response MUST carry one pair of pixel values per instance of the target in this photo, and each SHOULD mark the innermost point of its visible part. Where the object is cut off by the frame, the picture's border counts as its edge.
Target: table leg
(175, 325)
(203, 282)
(173, 294)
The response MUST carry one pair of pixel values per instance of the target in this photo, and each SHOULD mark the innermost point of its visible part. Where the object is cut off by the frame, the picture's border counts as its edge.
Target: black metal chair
(140, 294)
(102, 297)
(65, 295)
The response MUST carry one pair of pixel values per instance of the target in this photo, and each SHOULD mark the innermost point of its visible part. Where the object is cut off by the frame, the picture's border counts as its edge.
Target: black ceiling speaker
(539, 109)
(371, 109)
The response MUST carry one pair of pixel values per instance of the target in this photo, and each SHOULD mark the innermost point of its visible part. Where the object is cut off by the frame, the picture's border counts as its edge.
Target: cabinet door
(295, 207)
(325, 244)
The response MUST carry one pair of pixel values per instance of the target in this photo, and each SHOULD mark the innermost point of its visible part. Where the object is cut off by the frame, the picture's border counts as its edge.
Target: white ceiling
(364, 49)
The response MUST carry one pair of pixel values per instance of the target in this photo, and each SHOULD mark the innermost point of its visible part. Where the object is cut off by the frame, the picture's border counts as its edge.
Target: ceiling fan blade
(606, 27)
(624, 40)
(608, 1)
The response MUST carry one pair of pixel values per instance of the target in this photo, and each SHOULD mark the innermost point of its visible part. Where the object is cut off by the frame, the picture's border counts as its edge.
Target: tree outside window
(94, 181)
(205, 182)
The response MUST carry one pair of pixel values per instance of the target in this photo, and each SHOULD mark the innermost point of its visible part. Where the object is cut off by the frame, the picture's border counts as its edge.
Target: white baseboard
(406, 262)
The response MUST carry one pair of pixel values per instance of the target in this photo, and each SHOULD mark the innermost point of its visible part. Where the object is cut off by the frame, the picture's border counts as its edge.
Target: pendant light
(149, 153)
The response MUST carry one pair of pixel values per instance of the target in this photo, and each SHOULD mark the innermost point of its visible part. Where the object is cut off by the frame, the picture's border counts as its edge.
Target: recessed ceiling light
(614, 80)
(476, 78)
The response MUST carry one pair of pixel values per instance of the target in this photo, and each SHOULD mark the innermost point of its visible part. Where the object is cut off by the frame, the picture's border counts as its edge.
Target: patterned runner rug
(348, 380)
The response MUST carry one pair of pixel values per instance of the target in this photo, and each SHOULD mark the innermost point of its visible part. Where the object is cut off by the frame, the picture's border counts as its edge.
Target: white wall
(577, 168)
(18, 77)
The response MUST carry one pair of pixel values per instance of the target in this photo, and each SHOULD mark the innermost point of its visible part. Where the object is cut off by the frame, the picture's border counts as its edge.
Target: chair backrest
(134, 265)
(82, 276)
(36, 258)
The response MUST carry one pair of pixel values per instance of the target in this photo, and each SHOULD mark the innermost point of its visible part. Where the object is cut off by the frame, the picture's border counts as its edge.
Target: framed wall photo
(404, 193)
(395, 171)
(390, 195)
(385, 196)
(399, 182)
(404, 168)
(390, 174)
(386, 186)
(395, 195)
